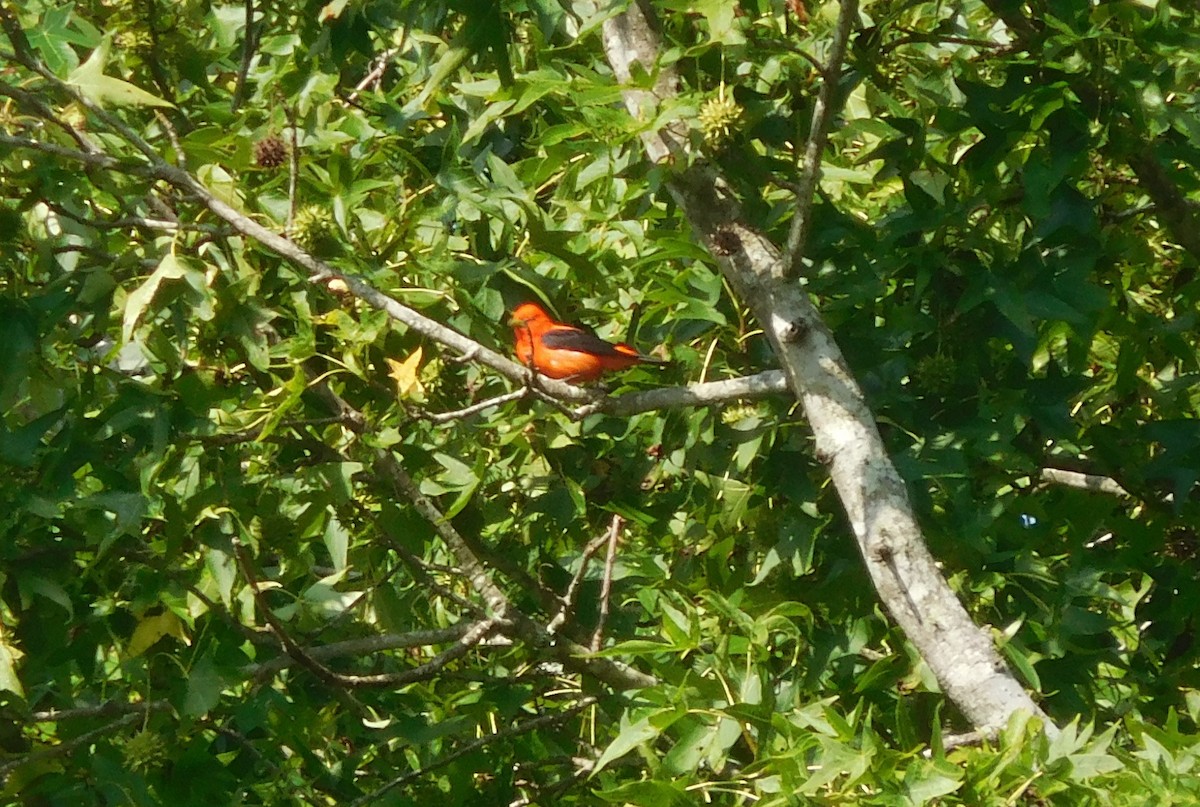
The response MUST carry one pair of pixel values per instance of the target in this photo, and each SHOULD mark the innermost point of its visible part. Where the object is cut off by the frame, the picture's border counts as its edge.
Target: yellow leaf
(332, 11)
(153, 628)
(405, 375)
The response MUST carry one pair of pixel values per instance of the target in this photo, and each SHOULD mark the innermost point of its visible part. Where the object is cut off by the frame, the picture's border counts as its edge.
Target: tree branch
(758, 386)
(752, 387)
(1076, 479)
(614, 532)
(961, 655)
(109, 709)
(568, 598)
(818, 136)
(362, 647)
(63, 749)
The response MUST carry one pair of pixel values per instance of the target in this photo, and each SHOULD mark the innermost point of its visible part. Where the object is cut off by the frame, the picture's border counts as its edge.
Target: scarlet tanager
(565, 351)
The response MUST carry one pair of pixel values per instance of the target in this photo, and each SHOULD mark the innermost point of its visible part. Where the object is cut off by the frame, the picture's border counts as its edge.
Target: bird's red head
(526, 313)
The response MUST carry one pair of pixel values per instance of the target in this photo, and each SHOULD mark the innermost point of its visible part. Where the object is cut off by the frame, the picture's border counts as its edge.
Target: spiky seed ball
(935, 374)
(270, 152)
(136, 41)
(733, 415)
(144, 751)
(719, 118)
(313, 228)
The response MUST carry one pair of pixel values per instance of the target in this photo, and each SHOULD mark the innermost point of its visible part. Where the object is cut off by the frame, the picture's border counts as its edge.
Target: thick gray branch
(848, 442)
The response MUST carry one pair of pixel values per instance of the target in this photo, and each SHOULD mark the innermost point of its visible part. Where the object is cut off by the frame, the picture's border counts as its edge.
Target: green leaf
(337, 541)
(203, 688)
(169, 268)
(90, 81)
(634, 734)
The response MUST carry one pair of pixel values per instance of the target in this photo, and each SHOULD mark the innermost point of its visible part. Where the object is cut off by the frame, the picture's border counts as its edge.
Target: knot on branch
(726, 241)
(795, 330)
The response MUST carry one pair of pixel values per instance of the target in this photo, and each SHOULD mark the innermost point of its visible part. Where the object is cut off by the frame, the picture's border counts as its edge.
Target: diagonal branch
(872, 492)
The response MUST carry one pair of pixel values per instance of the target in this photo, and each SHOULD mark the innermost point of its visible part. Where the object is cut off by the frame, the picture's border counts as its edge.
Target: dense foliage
(196, 436)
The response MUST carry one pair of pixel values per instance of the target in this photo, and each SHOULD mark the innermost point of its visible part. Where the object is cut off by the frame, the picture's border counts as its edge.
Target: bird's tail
(632, 353)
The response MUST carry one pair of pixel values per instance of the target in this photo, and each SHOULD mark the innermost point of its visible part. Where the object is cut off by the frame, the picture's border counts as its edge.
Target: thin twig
(173, 137)
(109, 709)
(249, 44)
(423, 672)
(65, 748)
(29, 101)
(421, 574)
(912, 37)
(770, 383)
(381, 63)
(294, 650)
(362, 647)
(568, 598)
(614, 532)
(474, 409)
(504, 734)
(570, 653)
(293, 164)
(87, 158)
(252, 434)
(139, 221)
(818, 135)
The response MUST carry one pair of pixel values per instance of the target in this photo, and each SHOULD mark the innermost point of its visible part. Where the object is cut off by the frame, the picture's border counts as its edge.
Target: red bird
(559, 350)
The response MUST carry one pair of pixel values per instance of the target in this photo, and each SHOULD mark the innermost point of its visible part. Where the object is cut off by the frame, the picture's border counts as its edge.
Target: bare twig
(474, 409)
(252, 434)
(421, 573)
(362, 647)
(614, 532)
(109, 709)
(249, 44)
(381, 63)
(35, 105)
(761, 385)
(293, 163)
(86, 157)
(818, 135)
(294, 650)
(568, 598)
(912, 37)
(141, 222)
(474, 635)
(504, 734)
(570, 653)
(173, 138)
(306, 659)
(952, 741)
(62, 749)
